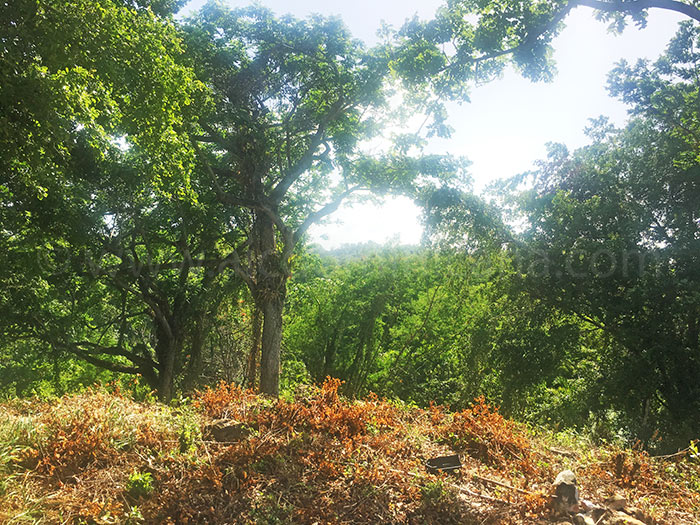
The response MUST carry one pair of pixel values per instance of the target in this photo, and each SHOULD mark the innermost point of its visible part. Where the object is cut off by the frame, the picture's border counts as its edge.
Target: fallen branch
(674, 455)
(501, 484)
(461, 488)
(484, 496)
(562, 452)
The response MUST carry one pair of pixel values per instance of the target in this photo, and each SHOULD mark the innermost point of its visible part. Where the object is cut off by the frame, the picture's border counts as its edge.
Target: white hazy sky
(505, 127)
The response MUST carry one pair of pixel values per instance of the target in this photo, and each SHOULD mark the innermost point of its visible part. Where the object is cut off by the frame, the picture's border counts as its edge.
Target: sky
(506, 125)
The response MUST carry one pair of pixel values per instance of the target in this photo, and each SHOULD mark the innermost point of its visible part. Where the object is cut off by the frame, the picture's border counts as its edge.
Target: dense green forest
(159, 176)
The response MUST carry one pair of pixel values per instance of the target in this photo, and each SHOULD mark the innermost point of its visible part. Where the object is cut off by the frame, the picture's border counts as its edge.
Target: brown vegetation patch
(316, 459)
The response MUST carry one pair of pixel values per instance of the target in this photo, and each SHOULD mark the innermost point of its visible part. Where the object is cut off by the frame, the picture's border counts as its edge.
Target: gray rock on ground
(583, 519)
(565, 497)
(615, 502)
(226, 430)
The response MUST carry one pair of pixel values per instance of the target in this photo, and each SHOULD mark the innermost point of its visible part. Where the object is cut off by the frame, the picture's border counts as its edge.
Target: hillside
(100, 457)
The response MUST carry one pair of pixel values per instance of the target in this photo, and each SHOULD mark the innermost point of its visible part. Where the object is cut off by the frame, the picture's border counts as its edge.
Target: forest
(159, 175)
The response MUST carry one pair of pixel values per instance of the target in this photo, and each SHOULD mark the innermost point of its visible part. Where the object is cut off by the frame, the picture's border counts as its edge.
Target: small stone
(616, 502)
(583, 519)
(620, 518)
(636, 513)
(226, 430)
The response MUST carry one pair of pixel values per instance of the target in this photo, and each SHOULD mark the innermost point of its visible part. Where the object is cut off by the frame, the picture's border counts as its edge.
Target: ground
(100, 457)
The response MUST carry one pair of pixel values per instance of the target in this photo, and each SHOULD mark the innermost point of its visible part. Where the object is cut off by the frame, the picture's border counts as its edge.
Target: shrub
(189, 431)
(220, 402)
(483, 433)
(140, 484)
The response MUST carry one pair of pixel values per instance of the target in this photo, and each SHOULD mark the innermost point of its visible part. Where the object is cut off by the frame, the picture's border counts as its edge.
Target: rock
(565, 493)
(587, 505)
(615, 502)
(565, 477)
(590, 508)
(226, 430)
(637, 513)
(583, 519)
(620, 518)
(597, 514)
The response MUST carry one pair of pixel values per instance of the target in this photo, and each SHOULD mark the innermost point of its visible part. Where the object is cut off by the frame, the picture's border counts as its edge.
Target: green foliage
(613, 240)
(133, 516)
(420, 327)
(99, 172)
(189, 431)
(435, 492)
(162, 176)
(16, 436)
(140, 484)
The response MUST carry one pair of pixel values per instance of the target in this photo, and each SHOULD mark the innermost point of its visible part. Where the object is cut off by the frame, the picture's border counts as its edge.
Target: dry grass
(317, 459)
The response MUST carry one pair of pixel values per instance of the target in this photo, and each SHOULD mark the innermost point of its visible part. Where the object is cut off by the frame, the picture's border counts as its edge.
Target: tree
(613, 238)
(97, 197)
(476, 40)
(526, 30)
(166, 154)
(292, 103)
(344, 314)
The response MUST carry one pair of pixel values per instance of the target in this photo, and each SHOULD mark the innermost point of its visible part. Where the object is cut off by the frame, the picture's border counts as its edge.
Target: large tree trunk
(252, 372)
(271, 343)
(166, 376)
(168, 346)
(196, 360)
(269, 292)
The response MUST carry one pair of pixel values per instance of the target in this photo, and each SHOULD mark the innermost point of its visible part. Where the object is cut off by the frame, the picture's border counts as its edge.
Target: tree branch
(102, 363)
(140, 360)
(298, 169)
(306, 160)
(234, 260)
(602, 5)
(528, 41)
(671, 5)
(323, 212)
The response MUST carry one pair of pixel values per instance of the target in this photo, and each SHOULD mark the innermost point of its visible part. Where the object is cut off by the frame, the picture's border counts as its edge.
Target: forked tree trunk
(271, 344)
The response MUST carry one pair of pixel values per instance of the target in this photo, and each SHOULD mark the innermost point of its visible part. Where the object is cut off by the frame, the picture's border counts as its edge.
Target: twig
(206, 449)
(468, 491)
(501, 484)
(674, 455)
(562, 452)
(205, 441)
(484, 496)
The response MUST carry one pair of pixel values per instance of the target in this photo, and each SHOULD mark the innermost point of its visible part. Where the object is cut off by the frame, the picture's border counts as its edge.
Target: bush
(140, 484)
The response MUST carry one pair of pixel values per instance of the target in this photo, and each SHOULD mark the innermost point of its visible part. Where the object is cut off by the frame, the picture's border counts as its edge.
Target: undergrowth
(312, 458)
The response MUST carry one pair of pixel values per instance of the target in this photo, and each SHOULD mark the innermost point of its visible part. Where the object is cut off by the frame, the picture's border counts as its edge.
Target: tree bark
(166, 376)
(269, 291)
(196, 360)
(252, 373)
(167, 349)
(271, 344)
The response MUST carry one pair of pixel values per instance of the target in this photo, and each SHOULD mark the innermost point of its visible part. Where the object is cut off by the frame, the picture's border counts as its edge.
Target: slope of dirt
(230, 456)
